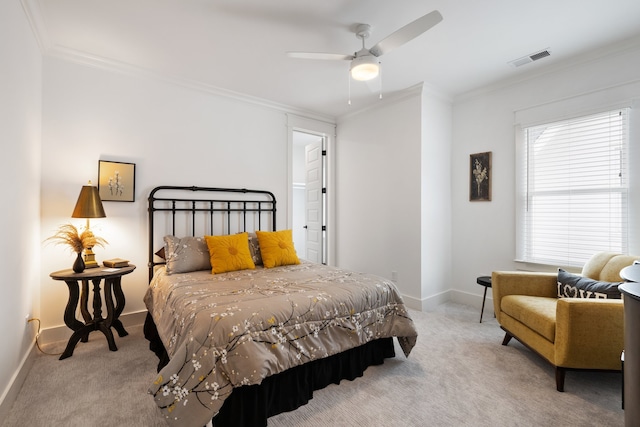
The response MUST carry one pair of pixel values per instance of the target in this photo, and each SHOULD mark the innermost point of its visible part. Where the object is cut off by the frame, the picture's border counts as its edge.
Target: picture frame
(480, 177)
(116, 181)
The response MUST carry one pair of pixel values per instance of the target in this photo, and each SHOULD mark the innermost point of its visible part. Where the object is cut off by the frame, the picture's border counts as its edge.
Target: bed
(239, 341)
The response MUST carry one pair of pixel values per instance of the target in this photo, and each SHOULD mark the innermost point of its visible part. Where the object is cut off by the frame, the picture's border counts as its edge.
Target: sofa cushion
(606, 266)
(575, 286)
(538, 313)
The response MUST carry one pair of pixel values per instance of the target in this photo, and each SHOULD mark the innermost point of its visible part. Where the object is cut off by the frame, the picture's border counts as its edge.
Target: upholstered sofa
(570, 333)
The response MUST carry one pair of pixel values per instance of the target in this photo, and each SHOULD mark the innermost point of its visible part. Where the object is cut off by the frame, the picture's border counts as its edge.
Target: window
(572, 189)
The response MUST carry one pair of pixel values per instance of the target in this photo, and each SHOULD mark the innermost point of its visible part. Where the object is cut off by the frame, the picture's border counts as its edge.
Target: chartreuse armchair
(573, 321)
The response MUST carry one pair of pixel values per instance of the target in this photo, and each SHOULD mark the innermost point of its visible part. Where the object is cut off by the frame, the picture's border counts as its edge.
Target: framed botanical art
(480, 177)
(116, 181)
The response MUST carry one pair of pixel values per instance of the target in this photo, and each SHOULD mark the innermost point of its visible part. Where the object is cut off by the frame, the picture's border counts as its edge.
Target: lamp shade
(89, 204)
(365, 67)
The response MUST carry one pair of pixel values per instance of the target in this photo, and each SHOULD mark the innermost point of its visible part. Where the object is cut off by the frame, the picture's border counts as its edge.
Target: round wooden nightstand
(112, 288)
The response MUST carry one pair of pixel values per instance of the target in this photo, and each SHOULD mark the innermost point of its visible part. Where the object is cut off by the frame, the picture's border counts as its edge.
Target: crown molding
(32, 9)
(90, 60)
(35, 18)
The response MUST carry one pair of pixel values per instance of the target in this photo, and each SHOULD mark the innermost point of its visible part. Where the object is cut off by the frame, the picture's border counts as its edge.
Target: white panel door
(313, 209)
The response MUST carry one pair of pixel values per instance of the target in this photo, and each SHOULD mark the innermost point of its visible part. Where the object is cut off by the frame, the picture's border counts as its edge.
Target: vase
(78, 265)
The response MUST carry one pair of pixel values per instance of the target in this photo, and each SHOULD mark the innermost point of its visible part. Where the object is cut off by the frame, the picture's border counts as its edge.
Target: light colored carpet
(459, 374)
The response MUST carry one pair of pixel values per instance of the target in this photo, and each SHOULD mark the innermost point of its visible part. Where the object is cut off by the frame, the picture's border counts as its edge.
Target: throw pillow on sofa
(576, 286)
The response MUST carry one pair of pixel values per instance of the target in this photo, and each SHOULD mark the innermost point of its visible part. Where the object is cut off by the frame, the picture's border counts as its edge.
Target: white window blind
(573, 189)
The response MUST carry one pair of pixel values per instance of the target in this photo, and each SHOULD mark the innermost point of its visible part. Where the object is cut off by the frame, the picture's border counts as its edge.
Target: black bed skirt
(251, 405)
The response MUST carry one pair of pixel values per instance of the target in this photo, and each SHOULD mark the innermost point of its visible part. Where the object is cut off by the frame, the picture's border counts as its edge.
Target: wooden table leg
(84, 299)
(116, 323)
(79, 300)
(82, 330)
(105, 324)
(70, 310)
(78, 328)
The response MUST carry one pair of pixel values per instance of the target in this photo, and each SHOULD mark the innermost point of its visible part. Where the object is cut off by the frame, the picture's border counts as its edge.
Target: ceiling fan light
(365, 68)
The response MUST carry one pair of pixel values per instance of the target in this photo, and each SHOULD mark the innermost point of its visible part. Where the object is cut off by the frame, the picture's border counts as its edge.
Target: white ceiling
(241, 45)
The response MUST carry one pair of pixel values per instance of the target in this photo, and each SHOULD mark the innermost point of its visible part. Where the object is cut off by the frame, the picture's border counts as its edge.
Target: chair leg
(560, 373)
(507, 338)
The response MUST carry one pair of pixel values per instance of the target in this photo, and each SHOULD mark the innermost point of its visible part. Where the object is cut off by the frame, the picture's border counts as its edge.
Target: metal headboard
(191, 211)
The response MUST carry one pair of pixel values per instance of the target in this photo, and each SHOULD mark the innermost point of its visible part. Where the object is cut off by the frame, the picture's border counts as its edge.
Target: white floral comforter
(227, 330)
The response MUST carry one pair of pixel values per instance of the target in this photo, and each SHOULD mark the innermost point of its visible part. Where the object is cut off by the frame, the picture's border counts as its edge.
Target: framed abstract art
(116, 181)
(480, 177)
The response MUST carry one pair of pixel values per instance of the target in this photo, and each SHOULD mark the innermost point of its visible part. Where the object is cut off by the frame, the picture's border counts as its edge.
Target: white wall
(175, 136)
(20, 114)
(378, 199)
(394, 194)
(484, 232)
(436, 254)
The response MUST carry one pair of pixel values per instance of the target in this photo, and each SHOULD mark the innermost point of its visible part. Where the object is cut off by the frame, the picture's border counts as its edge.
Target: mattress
(225, 331)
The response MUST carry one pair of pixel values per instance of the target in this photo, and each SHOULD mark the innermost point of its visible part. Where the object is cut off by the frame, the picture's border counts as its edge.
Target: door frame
(328, 131)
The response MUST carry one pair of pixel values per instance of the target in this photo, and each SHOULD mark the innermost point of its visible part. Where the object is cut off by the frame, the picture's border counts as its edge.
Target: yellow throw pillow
(229, 253)
(276, 248)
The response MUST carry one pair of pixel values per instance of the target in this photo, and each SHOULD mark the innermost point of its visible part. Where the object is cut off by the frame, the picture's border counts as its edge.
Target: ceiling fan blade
(406, 33)
(319, 55)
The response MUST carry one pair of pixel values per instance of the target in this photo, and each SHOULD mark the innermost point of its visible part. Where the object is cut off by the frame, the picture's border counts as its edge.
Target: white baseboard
(426, 304)
(460, 297)
(412, 303)
(14, 386)
(474, 300)
(63, 333)
(430, 303)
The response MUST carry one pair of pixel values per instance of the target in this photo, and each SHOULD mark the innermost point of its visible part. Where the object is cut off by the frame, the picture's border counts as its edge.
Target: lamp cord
(38, 336)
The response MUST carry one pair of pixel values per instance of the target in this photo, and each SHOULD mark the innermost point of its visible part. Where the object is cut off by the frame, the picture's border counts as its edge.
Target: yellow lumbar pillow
(229, 253)
(276, 248)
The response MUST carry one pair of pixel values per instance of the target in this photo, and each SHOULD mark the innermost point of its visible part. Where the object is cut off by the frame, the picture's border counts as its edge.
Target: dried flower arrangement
(68, 234)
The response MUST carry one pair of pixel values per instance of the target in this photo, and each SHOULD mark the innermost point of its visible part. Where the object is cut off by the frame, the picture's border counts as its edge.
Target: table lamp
(89, 206)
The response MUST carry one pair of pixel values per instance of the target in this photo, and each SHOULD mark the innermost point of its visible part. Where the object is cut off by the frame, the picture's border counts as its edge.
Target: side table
(486, 282)
(112, 287)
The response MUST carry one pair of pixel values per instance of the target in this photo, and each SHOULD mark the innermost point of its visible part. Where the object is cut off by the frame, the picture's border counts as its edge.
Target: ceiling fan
(364, 63)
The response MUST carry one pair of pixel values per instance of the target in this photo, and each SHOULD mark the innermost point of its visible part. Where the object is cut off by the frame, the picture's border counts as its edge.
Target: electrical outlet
(394, 276)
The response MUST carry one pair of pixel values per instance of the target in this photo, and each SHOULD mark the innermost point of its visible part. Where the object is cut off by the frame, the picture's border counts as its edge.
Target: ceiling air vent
(530, 58)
